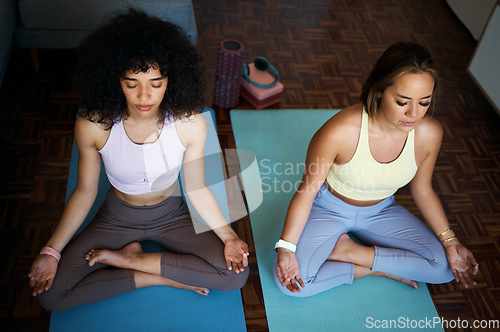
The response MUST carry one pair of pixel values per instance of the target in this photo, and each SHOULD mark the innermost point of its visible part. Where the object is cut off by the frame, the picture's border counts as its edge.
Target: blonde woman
(355, 163)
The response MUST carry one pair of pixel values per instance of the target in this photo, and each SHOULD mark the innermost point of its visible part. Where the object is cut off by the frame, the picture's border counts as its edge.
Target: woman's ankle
(346, 250)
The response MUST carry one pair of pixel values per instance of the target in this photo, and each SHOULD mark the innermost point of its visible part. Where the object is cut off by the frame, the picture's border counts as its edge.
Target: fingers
(299, 279)
(282, 273)
(244, 254)
(39, 287)
(34, 291)
(455, 275)
(239, 261)
(474, 263)
(40, 283)
(243, 262)
(49, 283)
(289, 281)
(42, 286)
(34, 285)
(294, 288)
(287, 270)
(464, 277)
(236, 254)
(296, 278)
(237, 265)
(283, 277)
(245, 259)
(469, 279)
(32, 281)
(42, 274)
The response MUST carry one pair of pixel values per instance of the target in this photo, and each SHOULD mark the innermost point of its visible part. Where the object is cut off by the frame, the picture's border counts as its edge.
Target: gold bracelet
(443, 233)
(451, 238)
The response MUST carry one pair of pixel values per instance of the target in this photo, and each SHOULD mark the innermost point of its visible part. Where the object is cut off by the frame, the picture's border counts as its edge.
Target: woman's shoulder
(345, 122)
(338, 137)
(189, 120)
(429, 129)
(190, 127)
(94, 118)
(428, 137)
(90, 129)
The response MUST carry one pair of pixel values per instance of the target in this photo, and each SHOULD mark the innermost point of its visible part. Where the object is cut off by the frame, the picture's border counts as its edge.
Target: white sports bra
(136, 169)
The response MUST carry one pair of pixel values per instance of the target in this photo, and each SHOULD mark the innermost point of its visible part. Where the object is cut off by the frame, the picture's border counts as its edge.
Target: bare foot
(343, 248)
(362, 271)
(199, 290)
(124, 258)
(412, 283)
(143, 279)
(118, 258)
(346, 250)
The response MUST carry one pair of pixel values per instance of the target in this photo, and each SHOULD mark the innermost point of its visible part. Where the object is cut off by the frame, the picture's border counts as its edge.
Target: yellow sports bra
(365, 179)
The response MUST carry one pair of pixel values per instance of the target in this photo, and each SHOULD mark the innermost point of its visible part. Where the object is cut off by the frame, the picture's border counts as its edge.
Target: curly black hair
(135, 41)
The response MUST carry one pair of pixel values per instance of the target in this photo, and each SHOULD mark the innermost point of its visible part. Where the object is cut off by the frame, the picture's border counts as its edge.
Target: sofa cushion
(89, 14)
(8, 18)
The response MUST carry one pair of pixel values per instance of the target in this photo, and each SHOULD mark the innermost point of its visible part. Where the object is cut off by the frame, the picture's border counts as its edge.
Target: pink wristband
(51, 252)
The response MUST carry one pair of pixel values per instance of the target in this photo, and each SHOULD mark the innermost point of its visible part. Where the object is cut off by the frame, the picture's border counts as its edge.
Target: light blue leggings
(404, 245)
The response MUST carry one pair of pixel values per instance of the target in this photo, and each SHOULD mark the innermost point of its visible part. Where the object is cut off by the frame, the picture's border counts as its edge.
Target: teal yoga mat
(156, 308)
(279, 139)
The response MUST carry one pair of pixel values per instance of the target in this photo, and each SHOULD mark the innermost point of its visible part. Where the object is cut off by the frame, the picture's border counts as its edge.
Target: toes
(202, 291)
(90, 255)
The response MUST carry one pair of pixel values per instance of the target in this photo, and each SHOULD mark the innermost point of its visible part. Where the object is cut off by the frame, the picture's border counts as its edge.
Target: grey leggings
(193, 259)
(404, 245)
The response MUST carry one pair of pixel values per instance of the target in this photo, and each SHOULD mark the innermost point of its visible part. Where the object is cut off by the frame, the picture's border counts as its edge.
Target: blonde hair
(399, 59)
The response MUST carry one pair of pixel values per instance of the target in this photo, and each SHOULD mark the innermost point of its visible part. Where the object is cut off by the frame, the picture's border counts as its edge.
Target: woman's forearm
(432, 211)
(296, 219)
(209, 210)
(73, 215)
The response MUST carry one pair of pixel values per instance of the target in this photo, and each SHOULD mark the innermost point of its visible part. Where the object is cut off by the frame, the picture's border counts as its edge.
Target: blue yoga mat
(157, 308)
(279, 139)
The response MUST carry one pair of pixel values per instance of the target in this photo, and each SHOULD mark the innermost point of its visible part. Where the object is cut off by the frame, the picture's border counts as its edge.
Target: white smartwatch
(286, 245)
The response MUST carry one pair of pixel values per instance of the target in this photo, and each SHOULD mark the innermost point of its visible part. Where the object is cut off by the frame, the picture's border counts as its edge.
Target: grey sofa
(8, 19)
(39, 24)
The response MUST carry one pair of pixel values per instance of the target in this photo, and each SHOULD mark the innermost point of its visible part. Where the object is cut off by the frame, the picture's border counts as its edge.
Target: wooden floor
(323, 51)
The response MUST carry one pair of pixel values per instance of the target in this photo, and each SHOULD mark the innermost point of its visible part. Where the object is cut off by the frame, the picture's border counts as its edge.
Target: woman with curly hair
(142, 82)
(355, 163)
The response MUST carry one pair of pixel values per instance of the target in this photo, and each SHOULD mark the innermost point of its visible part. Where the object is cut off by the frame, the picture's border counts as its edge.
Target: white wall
(485, 64)
(474, 14)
